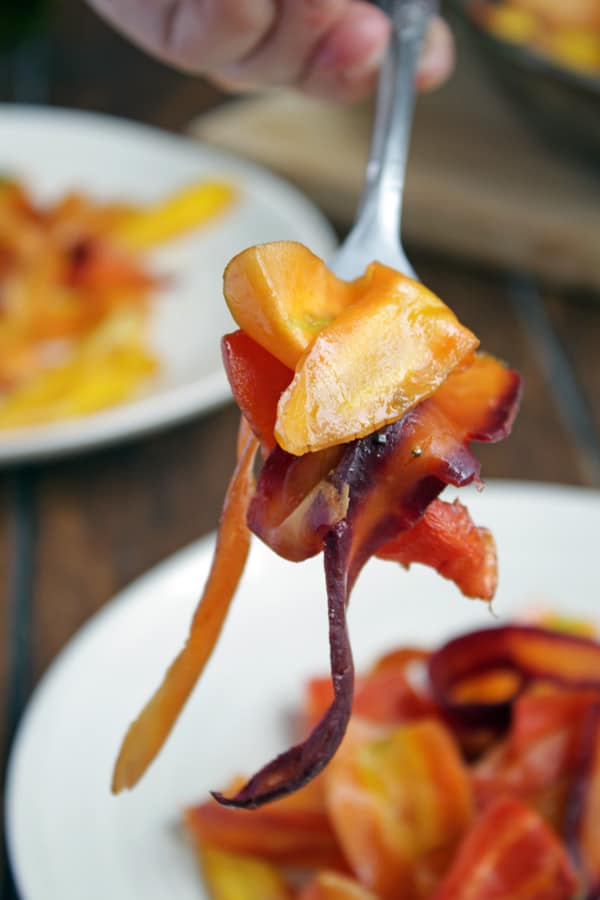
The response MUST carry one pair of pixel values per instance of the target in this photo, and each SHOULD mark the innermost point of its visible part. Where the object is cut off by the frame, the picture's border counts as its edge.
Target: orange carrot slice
(148, 732)
(294, 831)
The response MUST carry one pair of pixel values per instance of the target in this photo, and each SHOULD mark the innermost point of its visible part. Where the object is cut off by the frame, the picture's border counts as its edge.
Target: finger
(437, 58)
(345, 65)
(282, 56)
(195, 35)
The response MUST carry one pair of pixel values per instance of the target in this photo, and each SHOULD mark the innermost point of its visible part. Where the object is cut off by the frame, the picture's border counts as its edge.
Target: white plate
(69, 838)
(57, 150)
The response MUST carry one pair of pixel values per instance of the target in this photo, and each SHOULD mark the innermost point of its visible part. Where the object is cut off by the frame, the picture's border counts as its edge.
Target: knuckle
(246, 19)
(200, 34)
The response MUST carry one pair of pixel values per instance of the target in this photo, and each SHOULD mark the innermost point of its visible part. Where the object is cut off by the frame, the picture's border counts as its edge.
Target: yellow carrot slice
(381, 356)
(78, 387)
(229, 876)
(148, 733)
(106, 367)
(187, 209)
(398, 803)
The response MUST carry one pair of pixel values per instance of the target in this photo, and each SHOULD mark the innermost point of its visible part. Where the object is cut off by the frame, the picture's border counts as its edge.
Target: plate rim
(151, 413)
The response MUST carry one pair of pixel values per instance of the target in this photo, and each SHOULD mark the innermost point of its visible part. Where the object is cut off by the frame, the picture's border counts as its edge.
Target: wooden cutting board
(481, 184)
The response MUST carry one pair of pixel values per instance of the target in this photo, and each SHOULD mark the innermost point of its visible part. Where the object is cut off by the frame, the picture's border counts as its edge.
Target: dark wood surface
(74, 532)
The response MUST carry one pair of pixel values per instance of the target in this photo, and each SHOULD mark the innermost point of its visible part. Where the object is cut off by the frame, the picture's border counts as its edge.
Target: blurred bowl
(562, 102)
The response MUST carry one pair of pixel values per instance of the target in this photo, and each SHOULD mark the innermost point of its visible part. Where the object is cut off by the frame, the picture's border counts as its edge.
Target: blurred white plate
(54, 151)
(69, 838)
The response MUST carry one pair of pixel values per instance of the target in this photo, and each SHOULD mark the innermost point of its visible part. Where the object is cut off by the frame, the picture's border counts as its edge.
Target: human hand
(327, 48)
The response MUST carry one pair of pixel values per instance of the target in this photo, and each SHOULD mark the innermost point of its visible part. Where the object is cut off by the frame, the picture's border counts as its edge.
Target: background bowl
(562, 103)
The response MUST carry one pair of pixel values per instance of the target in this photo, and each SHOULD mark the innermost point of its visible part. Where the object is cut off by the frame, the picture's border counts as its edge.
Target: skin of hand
(327, 48)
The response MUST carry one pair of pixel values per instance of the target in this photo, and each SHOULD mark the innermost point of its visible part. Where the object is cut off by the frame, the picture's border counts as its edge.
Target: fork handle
(380, 207)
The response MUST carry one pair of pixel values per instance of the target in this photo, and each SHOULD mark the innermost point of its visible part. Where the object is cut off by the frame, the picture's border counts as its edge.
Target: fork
(376, 231)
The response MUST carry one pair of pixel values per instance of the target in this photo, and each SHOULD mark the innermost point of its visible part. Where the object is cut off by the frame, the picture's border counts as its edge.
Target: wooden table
(74, 532)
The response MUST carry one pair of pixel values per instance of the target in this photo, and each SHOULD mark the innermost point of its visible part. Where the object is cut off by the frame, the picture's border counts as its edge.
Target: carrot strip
(295, 767)
(148, 732)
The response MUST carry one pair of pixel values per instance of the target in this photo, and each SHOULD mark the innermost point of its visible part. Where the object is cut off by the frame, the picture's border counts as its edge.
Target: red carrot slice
(509, 853)
(446, 539)
(257, 380)
(538, 759)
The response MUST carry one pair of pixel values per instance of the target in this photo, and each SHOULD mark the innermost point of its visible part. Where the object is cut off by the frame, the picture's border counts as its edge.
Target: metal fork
(376, 231)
